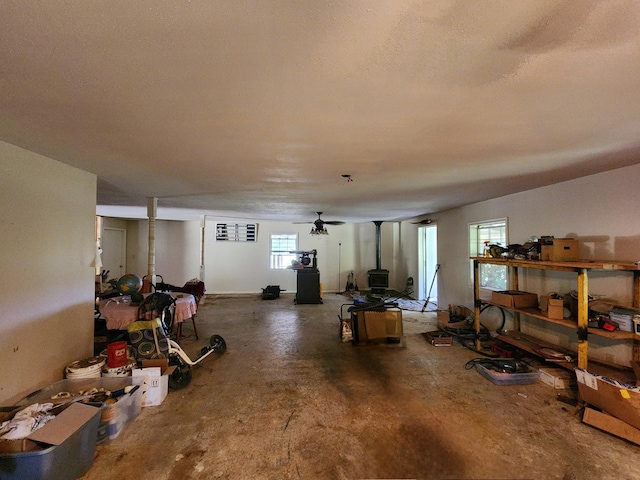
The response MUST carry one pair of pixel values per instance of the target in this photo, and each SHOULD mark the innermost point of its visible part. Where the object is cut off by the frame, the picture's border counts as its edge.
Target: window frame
(476, 246)
(278, 258)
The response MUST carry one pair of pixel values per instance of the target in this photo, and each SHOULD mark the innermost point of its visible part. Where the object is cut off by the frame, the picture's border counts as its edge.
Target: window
(280, 246)
(236, 232)
(493, 277)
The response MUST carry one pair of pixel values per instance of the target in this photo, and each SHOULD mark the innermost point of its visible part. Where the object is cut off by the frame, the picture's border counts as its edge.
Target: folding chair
(196, 288)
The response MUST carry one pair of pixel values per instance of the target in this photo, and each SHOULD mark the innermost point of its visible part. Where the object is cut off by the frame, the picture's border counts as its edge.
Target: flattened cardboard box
(66, 423)
(618, 399)
(439, 339)
(611, 425)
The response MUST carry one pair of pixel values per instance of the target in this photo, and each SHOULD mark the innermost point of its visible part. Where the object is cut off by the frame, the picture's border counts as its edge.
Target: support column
(152, 210)
(583, 317)
(477, 303)
(515, 281)
(203, 226)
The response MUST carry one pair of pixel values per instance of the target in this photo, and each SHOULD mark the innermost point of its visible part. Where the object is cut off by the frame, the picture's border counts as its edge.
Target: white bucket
(122, 371)
(87, 368)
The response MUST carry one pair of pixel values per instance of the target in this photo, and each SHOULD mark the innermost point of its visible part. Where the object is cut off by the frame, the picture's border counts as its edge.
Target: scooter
(181, 376)
(161, 304)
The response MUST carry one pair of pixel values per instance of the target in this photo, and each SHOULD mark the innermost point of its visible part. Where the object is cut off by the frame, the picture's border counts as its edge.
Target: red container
(117, 354)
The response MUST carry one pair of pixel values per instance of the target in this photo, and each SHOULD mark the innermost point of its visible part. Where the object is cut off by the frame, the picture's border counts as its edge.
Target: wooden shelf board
(534, 346)
(563, 266)
(569, 323)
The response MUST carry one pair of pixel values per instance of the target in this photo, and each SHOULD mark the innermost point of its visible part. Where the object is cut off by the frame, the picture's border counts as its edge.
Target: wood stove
(378, 278)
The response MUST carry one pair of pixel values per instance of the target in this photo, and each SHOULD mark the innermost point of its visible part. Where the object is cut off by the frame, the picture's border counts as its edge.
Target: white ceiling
(255, 109)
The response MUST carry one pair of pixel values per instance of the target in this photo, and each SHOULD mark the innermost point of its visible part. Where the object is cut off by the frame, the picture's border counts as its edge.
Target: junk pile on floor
(271, 292)
(371, 322)
(53, 432)
(608, 404)
(611, 405)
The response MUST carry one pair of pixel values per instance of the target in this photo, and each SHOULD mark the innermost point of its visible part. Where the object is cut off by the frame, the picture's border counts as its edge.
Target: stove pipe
(378, 278)
(378, 242)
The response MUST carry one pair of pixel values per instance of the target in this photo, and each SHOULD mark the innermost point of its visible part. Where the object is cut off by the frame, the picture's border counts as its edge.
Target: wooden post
(515, 281)
(583, 317)
(636, 304)
(476, 304)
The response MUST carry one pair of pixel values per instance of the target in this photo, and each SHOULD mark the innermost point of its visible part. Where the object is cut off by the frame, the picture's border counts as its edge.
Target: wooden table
(119, 312)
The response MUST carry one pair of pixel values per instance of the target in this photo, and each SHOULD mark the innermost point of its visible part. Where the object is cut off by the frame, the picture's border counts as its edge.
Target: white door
(114, 251)
(428, 268)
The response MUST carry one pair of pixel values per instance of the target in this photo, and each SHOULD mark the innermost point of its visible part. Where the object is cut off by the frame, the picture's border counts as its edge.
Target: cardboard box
(618, 399)
(515, 299)
(438, 338)
(155, 376)
(62, 449)
(562, 250)
(611, 425)
(377, 325)
(456, 319)
(558, 378)
(552, 307)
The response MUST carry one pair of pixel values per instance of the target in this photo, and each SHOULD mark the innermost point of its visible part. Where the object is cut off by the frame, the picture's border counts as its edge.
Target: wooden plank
(569, 323)
(583, 318)
(563, 266)
(476, 305)
(536, 347)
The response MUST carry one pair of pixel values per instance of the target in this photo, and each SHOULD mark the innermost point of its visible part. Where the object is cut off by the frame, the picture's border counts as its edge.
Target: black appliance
(308, 278)
(378, 278)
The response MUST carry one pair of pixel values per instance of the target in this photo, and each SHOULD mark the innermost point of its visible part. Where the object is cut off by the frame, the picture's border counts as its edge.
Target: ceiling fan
(318, 225)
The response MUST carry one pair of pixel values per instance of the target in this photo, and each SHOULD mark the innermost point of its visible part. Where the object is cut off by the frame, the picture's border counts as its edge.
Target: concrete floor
(289, 400)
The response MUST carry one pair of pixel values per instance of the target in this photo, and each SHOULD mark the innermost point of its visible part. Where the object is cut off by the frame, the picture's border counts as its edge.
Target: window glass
(493, 277)
(280, 246)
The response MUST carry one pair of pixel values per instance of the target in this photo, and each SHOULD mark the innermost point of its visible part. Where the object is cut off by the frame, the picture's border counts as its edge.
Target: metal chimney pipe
(378, 242)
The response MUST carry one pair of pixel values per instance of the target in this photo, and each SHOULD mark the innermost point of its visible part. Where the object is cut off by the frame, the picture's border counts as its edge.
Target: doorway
(428, 260)
(114, 251)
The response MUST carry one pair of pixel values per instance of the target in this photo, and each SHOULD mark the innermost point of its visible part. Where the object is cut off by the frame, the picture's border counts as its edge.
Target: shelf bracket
(583, 334)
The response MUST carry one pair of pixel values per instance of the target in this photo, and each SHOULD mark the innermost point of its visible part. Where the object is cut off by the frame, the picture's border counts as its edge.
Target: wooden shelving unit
(581, 269)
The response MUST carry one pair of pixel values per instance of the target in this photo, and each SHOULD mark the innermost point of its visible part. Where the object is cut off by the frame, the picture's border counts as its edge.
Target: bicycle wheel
(180, 378)
(218, 345)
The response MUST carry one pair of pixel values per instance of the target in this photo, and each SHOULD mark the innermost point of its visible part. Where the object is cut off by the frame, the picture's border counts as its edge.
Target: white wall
(177, 246)
(600, 210)
(243, 267)
(47, 245)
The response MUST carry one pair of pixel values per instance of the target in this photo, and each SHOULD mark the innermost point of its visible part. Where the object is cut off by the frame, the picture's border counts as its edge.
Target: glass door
(428, 258)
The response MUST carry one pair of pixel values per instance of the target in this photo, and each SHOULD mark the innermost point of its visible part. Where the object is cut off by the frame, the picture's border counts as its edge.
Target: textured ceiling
(256, 109)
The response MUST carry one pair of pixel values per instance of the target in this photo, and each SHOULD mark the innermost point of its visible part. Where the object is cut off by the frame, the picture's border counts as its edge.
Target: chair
(196, 288)
(160, 285)
(158, 305)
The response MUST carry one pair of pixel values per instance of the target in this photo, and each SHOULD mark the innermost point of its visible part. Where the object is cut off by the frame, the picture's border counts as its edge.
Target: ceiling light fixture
(348, 177)
(318, 231)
